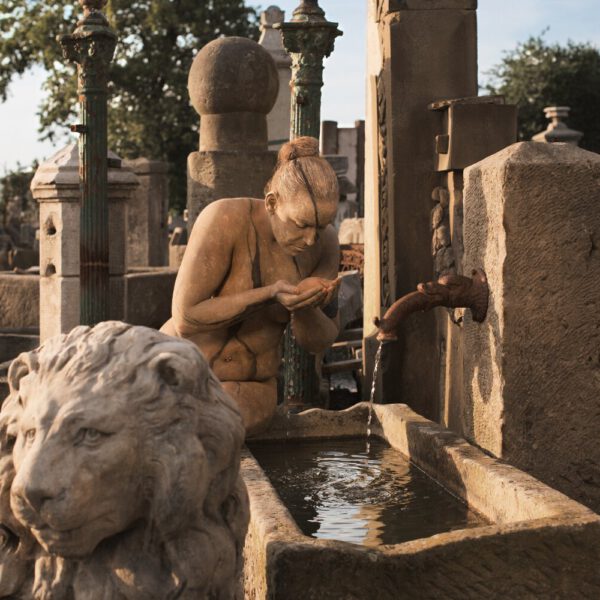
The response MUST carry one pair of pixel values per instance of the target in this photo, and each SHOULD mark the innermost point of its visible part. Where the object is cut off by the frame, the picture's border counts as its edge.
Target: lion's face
(76, 456)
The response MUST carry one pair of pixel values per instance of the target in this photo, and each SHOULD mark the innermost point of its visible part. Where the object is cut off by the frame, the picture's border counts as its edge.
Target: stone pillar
(148, 211)
(278, 120)
(329, 137)
(532, 368)
(233, 85)
(56, 187)
(473, 128)
(419, 51)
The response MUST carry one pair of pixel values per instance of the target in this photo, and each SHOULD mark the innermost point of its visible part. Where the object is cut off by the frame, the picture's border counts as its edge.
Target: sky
(502, 24)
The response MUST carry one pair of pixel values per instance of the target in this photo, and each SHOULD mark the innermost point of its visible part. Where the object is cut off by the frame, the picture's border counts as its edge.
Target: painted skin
(249, 264)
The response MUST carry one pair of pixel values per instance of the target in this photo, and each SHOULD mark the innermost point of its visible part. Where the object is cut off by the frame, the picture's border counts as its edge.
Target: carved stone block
(210, 177)
(532, 368)
(119, 471)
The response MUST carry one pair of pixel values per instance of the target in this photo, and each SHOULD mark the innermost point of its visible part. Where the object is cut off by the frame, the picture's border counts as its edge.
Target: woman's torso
(250, 349)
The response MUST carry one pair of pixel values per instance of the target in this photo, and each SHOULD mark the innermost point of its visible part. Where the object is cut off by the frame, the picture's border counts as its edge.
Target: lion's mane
(183, 411)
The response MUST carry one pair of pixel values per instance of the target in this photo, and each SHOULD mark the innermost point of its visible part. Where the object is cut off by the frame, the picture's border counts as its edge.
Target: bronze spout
(451, 291)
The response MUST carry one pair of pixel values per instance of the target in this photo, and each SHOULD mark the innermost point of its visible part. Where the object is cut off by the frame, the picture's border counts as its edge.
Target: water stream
(372, 397)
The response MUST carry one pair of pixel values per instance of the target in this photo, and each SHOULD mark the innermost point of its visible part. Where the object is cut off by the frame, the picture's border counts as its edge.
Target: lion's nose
(32, 496)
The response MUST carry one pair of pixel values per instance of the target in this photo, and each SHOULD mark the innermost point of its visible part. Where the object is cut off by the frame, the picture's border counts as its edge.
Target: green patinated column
(308, 38)
(92, 46)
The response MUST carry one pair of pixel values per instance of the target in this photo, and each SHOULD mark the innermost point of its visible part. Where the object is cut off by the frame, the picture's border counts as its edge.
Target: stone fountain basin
(540, 543)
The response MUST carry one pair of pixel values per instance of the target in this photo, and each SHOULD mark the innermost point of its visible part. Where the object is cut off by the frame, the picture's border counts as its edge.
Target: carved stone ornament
(92, 46)
(119, 471)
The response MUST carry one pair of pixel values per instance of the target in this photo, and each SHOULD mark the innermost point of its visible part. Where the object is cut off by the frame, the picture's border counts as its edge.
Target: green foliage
(14, 187)
(149, 110)
(538, 74)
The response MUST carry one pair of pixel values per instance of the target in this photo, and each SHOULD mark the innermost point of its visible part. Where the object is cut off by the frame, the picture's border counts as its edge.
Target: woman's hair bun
(298, 148)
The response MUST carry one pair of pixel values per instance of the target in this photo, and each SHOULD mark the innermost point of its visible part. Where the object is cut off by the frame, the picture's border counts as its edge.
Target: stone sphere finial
(233, 74)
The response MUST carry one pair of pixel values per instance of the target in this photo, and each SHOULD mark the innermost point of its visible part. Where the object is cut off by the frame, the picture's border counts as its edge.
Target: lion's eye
(90, 436)
(30, 435)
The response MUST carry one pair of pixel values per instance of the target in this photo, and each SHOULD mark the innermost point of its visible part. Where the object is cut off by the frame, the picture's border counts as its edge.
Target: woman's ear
(271, 202)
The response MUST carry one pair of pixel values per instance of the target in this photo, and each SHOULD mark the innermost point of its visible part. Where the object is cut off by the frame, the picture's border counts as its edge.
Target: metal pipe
(92, 46)
(451, 291)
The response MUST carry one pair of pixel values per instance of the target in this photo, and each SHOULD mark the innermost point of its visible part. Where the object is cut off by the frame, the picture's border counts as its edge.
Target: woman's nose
(310, 237)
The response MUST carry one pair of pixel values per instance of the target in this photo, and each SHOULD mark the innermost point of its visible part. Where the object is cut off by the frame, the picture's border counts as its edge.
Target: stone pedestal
(278, 120)
(147, 228)
(56, 187)
(233, 85)
(418, 51)
(532, 368)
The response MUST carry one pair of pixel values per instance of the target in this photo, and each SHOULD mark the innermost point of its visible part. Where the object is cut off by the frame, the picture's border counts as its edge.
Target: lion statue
(119, 477)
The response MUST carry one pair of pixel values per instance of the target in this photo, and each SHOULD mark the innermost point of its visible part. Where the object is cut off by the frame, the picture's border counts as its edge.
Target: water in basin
(339, 489)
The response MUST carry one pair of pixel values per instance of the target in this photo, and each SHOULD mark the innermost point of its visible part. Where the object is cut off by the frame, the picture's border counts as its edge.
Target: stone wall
(147, 294)
(532, 369)
(19, 301)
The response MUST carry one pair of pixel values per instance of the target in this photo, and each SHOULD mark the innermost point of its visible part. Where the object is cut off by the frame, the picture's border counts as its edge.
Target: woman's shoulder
(230, 212)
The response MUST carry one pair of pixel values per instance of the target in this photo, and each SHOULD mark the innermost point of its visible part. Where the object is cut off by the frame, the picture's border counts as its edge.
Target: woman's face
(296, 221)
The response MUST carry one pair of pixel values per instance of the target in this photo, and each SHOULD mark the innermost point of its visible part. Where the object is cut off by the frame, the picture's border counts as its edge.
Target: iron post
(92, 46)
(308, 38)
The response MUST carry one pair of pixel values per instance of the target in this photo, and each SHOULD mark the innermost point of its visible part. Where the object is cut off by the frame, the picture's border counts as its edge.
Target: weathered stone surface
(532, 369)
(147, 501)
(215, 175)
(425, 55)
(149, 294)
(233, 74)
(59, 305)
(19, 301)
(540, 543)
(147, 215)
